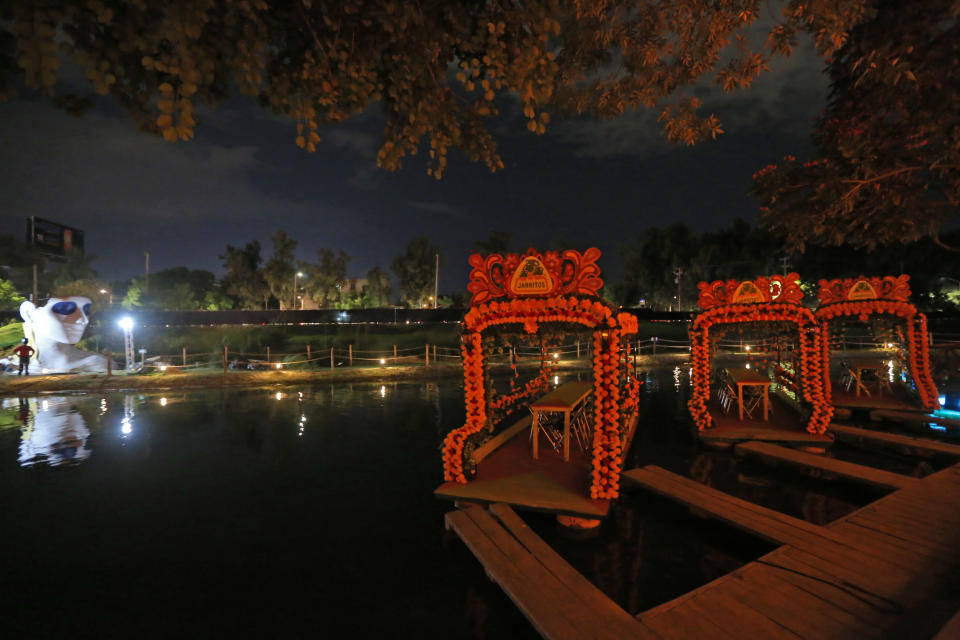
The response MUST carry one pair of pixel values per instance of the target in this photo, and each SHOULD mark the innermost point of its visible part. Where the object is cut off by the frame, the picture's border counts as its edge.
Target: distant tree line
(660, 270)
(250, 281)
(662, 266)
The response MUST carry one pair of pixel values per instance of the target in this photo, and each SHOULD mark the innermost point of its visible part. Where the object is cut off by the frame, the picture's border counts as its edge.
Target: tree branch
(937, 240)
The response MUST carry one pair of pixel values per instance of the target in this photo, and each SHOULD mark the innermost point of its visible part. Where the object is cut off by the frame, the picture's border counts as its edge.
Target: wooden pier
(879, 572)
(873, 574)
(557, 600)
(827, 466)
(923, 446)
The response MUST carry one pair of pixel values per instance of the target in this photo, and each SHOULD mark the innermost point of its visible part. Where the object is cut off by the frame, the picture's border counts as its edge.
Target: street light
(293, 302)
(126, 323)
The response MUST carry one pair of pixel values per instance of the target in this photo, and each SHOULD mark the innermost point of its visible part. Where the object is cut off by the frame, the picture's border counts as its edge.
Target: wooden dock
(874, 574)
(924, 446)
(557, 600)
(827, 466)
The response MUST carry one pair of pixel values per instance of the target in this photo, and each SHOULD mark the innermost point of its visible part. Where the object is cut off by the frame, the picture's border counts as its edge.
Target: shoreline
(13, 385)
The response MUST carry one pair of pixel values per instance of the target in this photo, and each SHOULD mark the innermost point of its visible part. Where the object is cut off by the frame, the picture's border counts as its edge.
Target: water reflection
(53, 432)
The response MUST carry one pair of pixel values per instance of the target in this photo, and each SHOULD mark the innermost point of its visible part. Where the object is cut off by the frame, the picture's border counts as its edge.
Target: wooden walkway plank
(592, 598)
(917, 444)
(848, 470)
(772, 527)
(678, 624)
(825, 584)
(790, 607)
(555, 598)
(740, 619)
(768, 524)
(529, 597)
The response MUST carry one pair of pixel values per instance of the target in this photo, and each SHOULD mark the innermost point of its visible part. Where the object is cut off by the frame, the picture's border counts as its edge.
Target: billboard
(53, 238)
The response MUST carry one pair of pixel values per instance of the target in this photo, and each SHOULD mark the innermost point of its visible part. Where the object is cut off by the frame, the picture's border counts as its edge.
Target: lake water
(303, 512)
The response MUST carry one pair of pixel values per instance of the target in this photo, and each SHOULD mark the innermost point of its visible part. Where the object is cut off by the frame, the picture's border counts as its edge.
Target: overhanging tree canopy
(887, 169)
(435, 67)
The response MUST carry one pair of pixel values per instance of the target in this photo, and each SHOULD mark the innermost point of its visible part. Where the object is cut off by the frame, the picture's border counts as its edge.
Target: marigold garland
(918, 341)
(812, 373)
(609, 329)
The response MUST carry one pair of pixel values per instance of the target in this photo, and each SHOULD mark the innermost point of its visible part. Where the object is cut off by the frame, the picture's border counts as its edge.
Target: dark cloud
(584, 182)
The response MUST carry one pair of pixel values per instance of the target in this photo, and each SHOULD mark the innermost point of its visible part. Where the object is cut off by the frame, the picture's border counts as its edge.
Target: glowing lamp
(126, 323)
(163, 402)
(279, 366)
(942, 400)
(383, 361)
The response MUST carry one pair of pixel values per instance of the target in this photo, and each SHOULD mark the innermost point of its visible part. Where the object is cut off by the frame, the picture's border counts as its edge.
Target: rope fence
(334, 357)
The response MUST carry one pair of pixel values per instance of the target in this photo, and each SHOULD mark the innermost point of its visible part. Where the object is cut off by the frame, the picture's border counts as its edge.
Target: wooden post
(394, 353)
(350, 347)
(331, 358)
(434, 353)
(268, 354)
(225, 356)
(653, 342)
(578, 348)
(184, 350)
(426, 356)
(109, 364)
(308, 351)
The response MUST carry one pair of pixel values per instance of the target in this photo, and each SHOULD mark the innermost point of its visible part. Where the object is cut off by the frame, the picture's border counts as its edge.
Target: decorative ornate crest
(861, 288)
(552, 273)
(775, 288)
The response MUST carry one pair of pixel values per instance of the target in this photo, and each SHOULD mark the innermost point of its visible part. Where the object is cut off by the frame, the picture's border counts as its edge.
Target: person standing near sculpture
(25, 351)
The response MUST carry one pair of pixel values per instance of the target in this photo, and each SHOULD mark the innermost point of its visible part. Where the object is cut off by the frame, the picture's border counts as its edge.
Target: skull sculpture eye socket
(64, 308)
(86, 309)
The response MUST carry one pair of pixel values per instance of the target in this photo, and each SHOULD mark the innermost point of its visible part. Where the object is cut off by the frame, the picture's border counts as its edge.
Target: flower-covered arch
(531, 289)
(765, 299)
(863, 297)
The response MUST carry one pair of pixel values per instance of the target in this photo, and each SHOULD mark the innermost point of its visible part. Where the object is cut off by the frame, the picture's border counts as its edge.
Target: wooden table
(564, 399)
(858, 366)
(751, 378)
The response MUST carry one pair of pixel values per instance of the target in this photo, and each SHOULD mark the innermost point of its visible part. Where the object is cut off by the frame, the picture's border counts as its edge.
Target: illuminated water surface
(308, 511)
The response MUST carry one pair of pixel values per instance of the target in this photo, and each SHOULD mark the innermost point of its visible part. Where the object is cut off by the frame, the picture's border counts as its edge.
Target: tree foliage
(415, 271)
(9, 298)
(75, 267)
(377, 290)
(175, 289)
(436, 69)
(280, 269)
(887, 168)
(244, 280)
(325, 278)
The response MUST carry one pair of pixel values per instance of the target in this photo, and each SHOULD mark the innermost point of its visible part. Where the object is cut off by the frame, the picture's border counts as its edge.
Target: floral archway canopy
(773, 299)
(863, 298)
(529, 290)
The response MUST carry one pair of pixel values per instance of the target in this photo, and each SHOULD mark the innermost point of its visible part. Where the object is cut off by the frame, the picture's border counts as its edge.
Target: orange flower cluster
(628, 323)
(918, 350)
(812, 374)
(607, 453)
(919, 342)
(630, 403)
(540, 382)
(472, 350)
(864, 308)
(531, 311)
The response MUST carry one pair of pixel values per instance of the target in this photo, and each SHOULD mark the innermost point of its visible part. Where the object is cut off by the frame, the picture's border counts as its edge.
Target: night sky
(585, 182)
